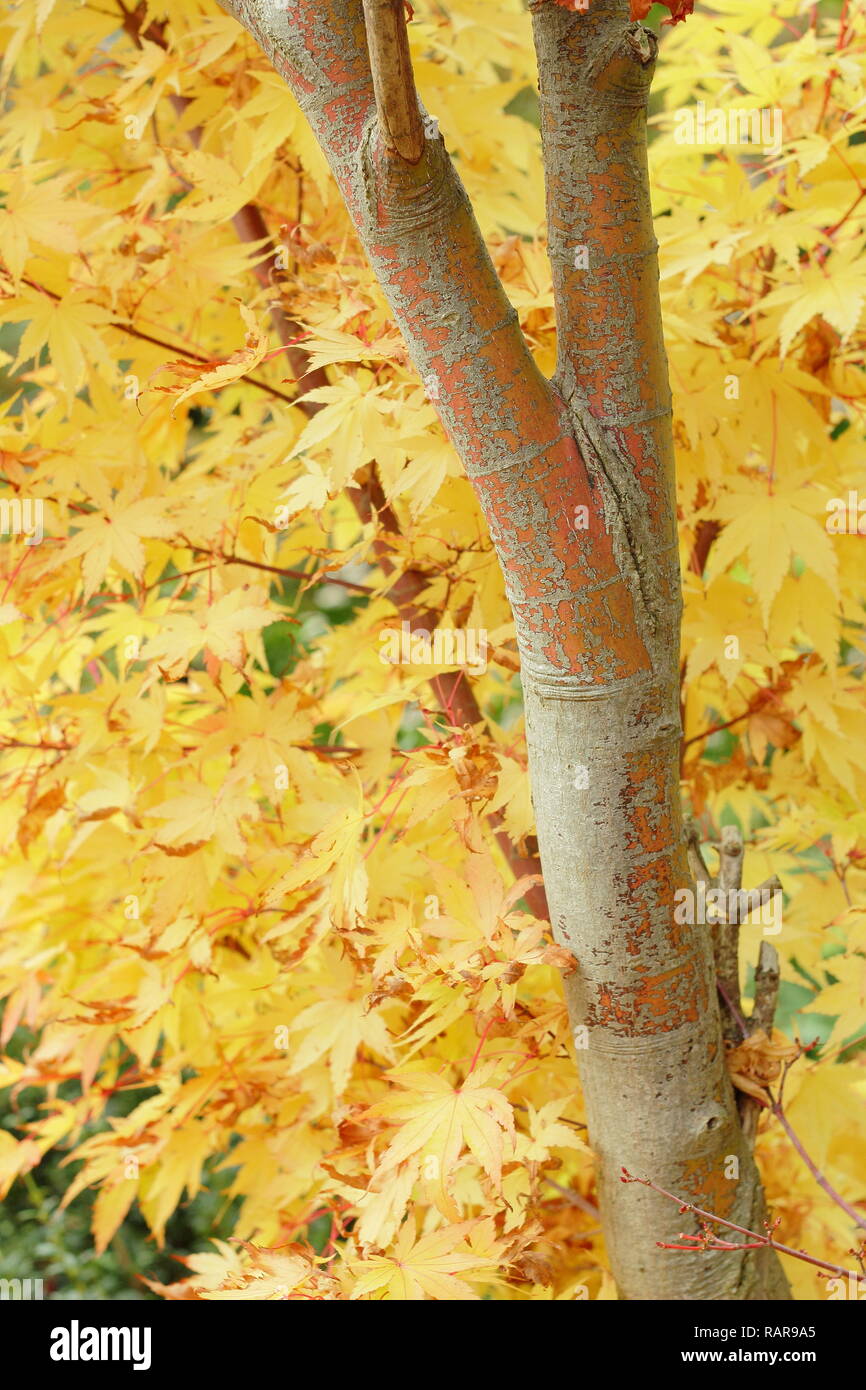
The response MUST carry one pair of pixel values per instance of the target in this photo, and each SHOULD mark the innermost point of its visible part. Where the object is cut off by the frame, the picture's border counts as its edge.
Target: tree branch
(596, 604)
(595, 70)
(767, 977)
(393, 80)
(726, 935)
(765, 1240)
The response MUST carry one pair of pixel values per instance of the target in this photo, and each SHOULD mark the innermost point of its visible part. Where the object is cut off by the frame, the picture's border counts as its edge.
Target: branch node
(731, 858)
(643, 43)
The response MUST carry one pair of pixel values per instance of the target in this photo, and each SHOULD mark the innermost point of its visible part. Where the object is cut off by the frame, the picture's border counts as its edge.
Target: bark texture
(575, 476)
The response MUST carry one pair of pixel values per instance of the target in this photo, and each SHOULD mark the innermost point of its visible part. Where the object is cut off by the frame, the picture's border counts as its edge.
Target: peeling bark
(575, 476)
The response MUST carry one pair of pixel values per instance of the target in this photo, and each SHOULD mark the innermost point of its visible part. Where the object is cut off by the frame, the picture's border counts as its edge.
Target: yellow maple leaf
(109, 1210)
(219, 628)
(271, 1275)
(440, 1121)
(549, 1132)
(426, 1267)
(199, 815)
(68, 327)
(114, 536)
(838, 298)
(39, 211)
(338, 1026)
(771, 529)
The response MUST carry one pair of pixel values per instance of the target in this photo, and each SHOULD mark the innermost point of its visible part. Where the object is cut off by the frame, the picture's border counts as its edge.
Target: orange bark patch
(708, 1187)
(658, 1004)
(558, 563)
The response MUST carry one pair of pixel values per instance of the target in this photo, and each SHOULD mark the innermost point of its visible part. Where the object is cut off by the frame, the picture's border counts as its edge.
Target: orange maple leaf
(221, 371)
(757, 1062)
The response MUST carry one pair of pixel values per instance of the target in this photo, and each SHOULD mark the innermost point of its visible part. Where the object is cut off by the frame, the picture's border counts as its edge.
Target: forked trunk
(575, 477)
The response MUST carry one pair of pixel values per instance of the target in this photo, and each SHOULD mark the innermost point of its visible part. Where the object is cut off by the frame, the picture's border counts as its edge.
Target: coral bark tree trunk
(575, 477)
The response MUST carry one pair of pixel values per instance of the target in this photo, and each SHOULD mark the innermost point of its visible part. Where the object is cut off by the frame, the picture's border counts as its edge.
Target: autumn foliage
(251, 872)
(680, 9)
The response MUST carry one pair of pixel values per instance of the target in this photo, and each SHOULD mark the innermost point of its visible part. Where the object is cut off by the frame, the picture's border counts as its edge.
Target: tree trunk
(575, 477)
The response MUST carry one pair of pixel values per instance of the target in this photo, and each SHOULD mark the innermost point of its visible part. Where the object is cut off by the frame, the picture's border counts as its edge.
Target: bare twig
(183, 350)
(769, 888)
(316, 577)
(732, 1008)
(726, 934)
(766, 989)
(716, 729)
(767, 978)
(755, 1240)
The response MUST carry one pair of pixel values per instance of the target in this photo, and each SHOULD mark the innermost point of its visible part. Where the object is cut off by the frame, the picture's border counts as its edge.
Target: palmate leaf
(211, 376)
(437, 1266)
(441, 1121)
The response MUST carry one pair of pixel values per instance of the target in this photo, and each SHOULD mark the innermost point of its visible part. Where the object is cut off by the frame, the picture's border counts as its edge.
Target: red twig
(753, 1236)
